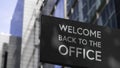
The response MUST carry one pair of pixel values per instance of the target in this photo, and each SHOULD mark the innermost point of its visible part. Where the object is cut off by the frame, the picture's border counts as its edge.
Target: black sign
(72, 43)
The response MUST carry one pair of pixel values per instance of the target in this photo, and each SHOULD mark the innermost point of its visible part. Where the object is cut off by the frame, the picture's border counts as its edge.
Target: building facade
(97, 12)
(117, 7)
(14, 52)
(17, 19)
(10, 51)
(4, 44)
(30, 33)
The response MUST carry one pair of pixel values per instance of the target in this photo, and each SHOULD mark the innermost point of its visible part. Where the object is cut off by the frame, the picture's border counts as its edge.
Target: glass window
(92, 12)
(106, 12)
(84, 2)
(91, 3)
(114, 21)
(98, 3)
(103, 17)
(75, 14)
(69, 4)
(100, 22)
(111, 4)
(59, 11)
(109, 24)
(85, 10)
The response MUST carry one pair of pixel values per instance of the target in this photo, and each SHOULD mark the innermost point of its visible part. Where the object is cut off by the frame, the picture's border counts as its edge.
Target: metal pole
(41, 66)
(65, 9)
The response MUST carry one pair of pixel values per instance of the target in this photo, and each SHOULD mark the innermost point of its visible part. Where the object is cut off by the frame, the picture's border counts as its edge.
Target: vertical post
(65, 9)
(41, 65)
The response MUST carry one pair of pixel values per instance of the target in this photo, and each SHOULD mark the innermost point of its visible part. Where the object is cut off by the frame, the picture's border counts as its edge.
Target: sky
(7, 8)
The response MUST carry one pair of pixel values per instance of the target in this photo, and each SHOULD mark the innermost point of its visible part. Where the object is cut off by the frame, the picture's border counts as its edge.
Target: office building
(16, 26)
(117, 10)
(4, 43)
(25, 24)
(17, 19)
(30, 34)
(98, 12)
(14, 52)
(10, 51)
(107, 14)
(101, 12)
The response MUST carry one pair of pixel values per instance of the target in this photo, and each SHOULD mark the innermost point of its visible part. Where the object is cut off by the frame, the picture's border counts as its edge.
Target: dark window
(85, 10)
(75, 14)
(69, 4)
(76, 11)
(99, 21)
(110, 6)
(114, 21)
(84, 2)
(91, 3)
(5, 60)
(105, 15)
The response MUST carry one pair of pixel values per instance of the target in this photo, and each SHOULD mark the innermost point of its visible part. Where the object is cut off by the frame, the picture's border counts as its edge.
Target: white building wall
(4, 38)
(29, 54)
(31, 10)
